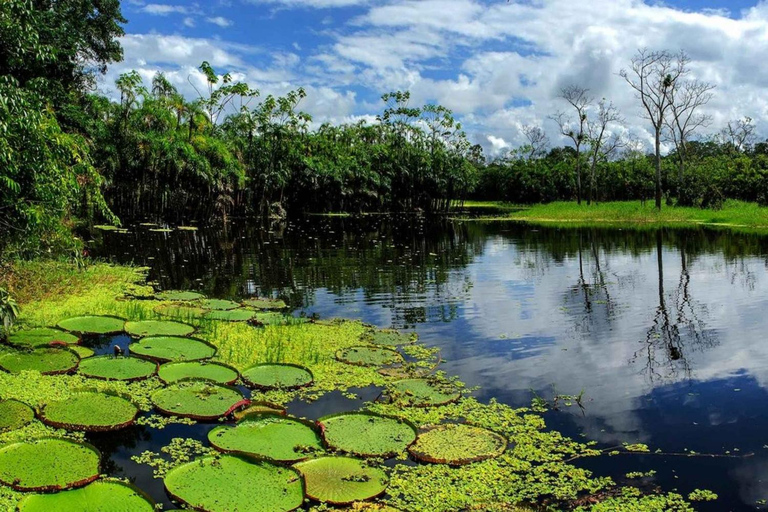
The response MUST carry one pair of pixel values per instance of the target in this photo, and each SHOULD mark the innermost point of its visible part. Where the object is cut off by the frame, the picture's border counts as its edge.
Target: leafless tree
(602, 143)
(579, 100)
(654, 76)
(538, 142)
(739, 133)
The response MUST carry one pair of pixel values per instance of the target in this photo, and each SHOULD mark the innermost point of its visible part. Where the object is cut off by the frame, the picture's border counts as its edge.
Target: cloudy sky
(498, 65)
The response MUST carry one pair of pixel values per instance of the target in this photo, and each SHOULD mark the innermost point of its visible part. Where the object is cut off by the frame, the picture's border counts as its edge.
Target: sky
(499, 65)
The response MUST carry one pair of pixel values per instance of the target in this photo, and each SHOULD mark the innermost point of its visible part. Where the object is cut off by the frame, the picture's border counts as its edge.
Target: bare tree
(538, 142)
(654, 77)
(580, 100)
(739, 133)
(601, 141)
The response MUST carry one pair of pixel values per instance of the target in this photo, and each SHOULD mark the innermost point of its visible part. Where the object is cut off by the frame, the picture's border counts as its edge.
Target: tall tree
(738, 134)
(538, 142)
(601, 140)
(579, 100)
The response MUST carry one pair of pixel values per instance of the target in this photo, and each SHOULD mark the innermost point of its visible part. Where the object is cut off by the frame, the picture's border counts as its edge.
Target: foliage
(9, 310)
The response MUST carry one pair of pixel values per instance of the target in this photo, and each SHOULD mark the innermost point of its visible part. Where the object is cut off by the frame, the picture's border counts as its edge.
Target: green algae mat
(277, 376)
(158, 328)
(197, 400)
(100, 496)
(48, 361)
(367, 434)
(388, 337)
(368, 356)
(179, 296)
(172, 348)
(229, 483)
(14, 415)
(231, 315)
(197, 370)
(423, 392)
(341, 480)
(93, 324)
(265, 303)
(219, 304)
(274, 437)
(48, 464)
(457, 444)
(117, 368)
(41, 336)
(90, 412)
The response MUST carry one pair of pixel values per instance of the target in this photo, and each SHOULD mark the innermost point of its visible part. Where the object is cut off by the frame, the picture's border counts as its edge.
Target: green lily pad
(107, 227)
(179, 295)
(179, 311)
(457, 444)
(48, 464)
(278, 376)
(100, 496)
(390, 337)
(93, 324)
(172, 348)
(341, 480)
(367, 434)
(48, 361)
(82, 351)
(197, 400)
(265, 303)
(424, 392)
(258, 408)
(14, 415)
(158, 328)
(90, 412)
(41, 336)
(230, 483)
(219, 304)
(117, 368)
(368, 356)
(269, 436)
(232, 315)
(272, 318)
(214, 372)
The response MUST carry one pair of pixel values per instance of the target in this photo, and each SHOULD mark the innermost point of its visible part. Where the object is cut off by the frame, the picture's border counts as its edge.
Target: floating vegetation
(186, 228)
(273, 318)
(180, 311)
(158, 328)
(214, 372)
(270, 436)
(277, 376)
(117, 368)
(82, 351)
(14, 415)
(48, 361)
(93, 324)
(41, 336)
(229, 483)
(197, 400)
(457, 444)
(258, 408)
(367, 434)
(172, 348)
(106, 227)
(219, 304)
(161, 230)
(90, 412)
(341, 480)
(265, 303)
(424, 392)
(389, 337)
(179, 295)
(232, 315)
(369, 356)
(100, 496)
(48, 464)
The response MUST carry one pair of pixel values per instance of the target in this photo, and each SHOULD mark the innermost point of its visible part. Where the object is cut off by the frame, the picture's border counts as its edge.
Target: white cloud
(311, 4)
(220, 21)
(164, 9)
(189, 22)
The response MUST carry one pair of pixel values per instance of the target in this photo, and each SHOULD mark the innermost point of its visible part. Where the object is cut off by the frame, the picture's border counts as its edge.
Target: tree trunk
(578, 176)
(658, 167)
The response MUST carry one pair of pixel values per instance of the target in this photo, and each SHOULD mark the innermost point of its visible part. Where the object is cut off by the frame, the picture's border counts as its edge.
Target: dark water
(666, 332)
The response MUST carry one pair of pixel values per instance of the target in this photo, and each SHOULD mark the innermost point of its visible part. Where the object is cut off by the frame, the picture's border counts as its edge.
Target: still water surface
(665, 332)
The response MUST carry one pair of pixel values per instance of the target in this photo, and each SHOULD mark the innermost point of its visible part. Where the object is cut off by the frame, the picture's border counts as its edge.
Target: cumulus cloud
(220, 21)
(164, 9)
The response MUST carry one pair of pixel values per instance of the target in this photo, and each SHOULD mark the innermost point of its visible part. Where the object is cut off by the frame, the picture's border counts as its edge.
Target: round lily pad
(270, 436)
(229, 483)
(117, 368)
(90, 412)
(214, 372)
(48, 464)
(424, 392)
(368, 356)
(41, 336)
(179, 295)
(271, 318)
(232, 315)
(14, 415)
(457, 444)
(277, 376)
(100, 496)
(367, 434)
(219, 304)
(257, 408)
(197, 400)
(341, 480)
(82, 351)
(158, 328)
(172, 348)
(389, 337)
(48, 361)
(265, 303)
(93, 324)
(180, 311)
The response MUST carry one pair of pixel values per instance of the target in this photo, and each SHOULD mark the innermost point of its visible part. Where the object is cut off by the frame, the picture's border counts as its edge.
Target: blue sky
(499, 65)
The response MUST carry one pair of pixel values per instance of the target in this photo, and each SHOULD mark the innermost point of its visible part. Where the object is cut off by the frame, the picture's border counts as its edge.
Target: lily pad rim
(410, 424)
(45, 347)
(107, 480)
(202, 379)
(141, 337)
(199, 417)
(424, 457)
(162, 360)
(84, 428)
(132, 379)
(250, 384)
(340, 503)
(87, 333)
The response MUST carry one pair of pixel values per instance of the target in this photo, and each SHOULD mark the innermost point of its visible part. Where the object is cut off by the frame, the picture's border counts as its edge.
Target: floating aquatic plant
(93, 324)
(180, 311)
(232, 315)
(341, 480)
(265, 303)
(179, 295)
(41, 336)
(390, 337)
(219, 304)
(172, 348)
(367, 434)
(368, 356)
(457, 444)
(117, 368)
(82, 351)
(197, 400)
(158, 328)
(424, 392)
(48, 361)
(259, 408)
(48, 464)
(14, 415)
(106, 495)
(214, 372)
(90, 412)
(277, 376)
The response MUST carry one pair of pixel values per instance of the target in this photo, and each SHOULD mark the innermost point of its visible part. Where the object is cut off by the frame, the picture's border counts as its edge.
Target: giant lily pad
(265, 303)
(180, 296)
(14, 415)
(90, 412)
(367, 434)
(100, 496)
(48, 464)
(172, 348)
(230, 483)
(93, 324)
(277, 376)
(214, 372)
(269, 436)
(368, 356)
(457, 444)
(82, 351)
(197, 400)
(232, 315)
(41, 336)
(272, 318)
(424, 392)
(219, 304)
(341, 480)
(117, 368)
(179, 311)
(48, 361)
(389, 337)
(158, 328)
(259, 408)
